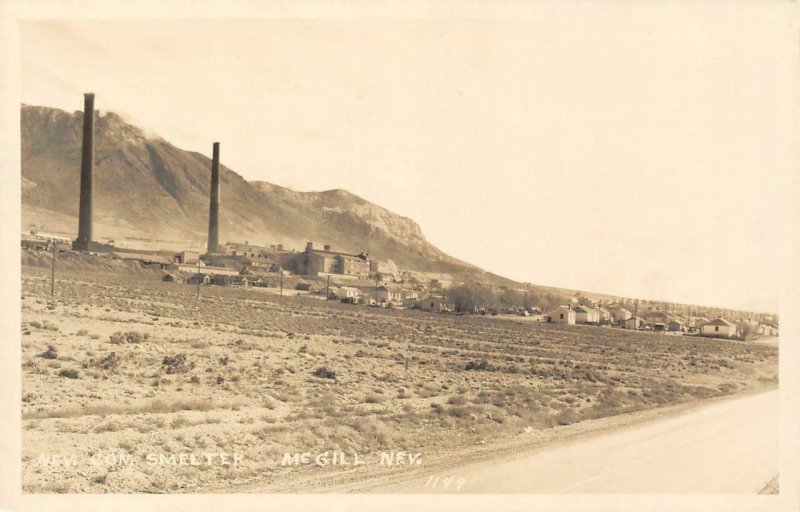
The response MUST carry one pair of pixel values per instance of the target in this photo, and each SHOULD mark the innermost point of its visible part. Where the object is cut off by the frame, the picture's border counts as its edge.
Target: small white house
(621, 315)
(389, 294)
(562, 315)
(409, 296)
(676, 324)
(346, 292)
(633, 323)
(605, 315)
(586, 315)
(767, 330)
(719, 328)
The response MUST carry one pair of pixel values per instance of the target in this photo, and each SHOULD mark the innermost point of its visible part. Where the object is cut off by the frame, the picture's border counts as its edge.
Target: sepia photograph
(531, 251)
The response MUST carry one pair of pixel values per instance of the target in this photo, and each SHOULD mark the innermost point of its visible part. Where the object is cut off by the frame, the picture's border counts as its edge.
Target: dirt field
(125, 377)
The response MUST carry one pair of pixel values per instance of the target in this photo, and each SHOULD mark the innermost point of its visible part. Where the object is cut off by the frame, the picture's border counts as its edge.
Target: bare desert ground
(134, 385)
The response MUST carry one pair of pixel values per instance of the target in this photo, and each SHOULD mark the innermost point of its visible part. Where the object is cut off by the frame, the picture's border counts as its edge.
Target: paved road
(726, 447)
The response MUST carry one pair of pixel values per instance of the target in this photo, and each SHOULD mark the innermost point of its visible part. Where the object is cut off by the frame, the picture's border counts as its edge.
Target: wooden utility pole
(526, 299)
(53, 271)
(280, 270)
(376, 288)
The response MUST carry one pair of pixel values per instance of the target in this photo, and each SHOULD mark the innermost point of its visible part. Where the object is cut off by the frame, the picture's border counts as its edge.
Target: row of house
(581, 314)
(212, 279)
(653, 320)
(388, 295)
(384, 295)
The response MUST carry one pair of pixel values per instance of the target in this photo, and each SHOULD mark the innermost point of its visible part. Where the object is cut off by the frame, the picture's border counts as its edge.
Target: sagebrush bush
(373, 398)
(50, 353)
(175, 364)
(68, 373)
(110, 361)
(119, 338)
(483, 365)
(457, 400)
(323, 372)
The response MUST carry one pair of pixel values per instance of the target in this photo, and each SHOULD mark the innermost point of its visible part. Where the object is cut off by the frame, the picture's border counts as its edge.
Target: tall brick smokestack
(84, 239)
(213, 214)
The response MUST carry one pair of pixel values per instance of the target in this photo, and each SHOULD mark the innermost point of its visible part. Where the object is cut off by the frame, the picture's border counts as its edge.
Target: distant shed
(172, 277)
(304, 286)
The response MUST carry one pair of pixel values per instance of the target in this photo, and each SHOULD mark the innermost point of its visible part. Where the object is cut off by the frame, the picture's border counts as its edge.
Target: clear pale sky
(629, 150)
